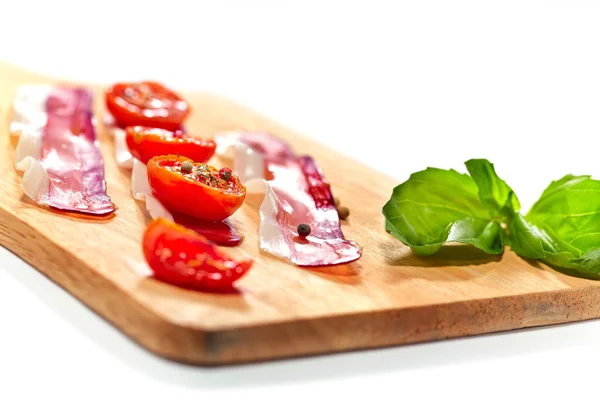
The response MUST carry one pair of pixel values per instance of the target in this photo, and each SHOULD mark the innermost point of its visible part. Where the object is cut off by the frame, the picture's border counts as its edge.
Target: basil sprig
(435, 206)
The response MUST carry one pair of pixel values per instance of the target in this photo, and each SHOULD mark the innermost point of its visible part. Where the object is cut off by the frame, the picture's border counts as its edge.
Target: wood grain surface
(388, 297)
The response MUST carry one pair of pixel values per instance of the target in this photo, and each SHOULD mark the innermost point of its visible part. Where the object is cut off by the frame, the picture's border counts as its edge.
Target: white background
(400, 85)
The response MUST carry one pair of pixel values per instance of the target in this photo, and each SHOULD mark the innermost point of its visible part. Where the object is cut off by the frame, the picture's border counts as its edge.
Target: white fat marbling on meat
(27, 122)
(249, 167)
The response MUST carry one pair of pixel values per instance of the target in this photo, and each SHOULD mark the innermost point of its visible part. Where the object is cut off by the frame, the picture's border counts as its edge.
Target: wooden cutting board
(388, 297)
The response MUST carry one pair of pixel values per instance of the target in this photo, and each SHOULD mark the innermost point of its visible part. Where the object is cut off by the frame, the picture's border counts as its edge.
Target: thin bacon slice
(295, 192)
(222, 233)
(58, 149)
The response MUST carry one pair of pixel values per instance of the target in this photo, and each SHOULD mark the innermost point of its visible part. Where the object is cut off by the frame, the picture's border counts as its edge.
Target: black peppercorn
(303, 230)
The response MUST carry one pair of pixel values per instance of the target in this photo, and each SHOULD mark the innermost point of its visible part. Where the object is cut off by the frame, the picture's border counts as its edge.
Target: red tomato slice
(145, 143)
(200, 193)
(184, 258)
(148, 104)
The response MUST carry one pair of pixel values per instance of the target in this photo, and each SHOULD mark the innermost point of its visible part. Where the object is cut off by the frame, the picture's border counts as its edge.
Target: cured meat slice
(58, 149)
(295, 191)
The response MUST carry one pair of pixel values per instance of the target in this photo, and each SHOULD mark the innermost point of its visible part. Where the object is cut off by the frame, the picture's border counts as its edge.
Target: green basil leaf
(562, 228)
(437, 206)
(493, 191)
